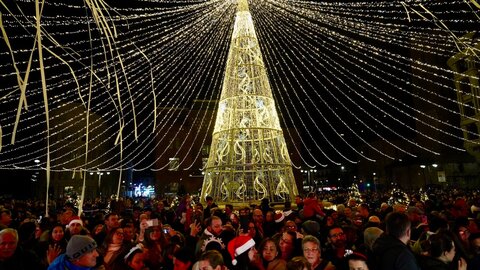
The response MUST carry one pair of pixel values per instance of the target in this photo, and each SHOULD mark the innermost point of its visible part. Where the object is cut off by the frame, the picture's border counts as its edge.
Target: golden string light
(343, 75)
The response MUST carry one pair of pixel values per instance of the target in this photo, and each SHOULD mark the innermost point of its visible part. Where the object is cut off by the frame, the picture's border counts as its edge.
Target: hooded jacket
(62, 263)
(392, 254)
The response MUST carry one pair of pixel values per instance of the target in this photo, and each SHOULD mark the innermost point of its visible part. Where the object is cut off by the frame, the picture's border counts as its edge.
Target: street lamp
(309, 177)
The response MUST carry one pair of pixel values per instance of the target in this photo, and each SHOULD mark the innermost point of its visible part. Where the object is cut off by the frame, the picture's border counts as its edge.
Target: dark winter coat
(392, 254)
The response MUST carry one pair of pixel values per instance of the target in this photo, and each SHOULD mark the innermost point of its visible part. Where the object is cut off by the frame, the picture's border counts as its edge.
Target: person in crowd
(81, 254)
(441, 254)
(336, 247)
(111, 222)
(185, 212)
(370, 235)
(391, 249)
(299, 202)
(183, 259)
(312, 251)
(134, 259)
(474, 263)
(129, 231)
(258, 222)
(311, 227)
(55, 245)
(211, 233)
(311, 208)
(299, 263)
(269, 256)
(287, 245)
(114, 249)
(357, 261)
(269, 226)
(363, 212)
(253, 232)
(75, 227)
(234, 220)
(155, 243)
(242, 252)
(5, 218)
(12, 255)
(97, 229)
(210, 205)
(211, 260)
(174, 242)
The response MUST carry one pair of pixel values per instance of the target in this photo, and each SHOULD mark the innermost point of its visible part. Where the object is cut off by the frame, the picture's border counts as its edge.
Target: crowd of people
(343, 231)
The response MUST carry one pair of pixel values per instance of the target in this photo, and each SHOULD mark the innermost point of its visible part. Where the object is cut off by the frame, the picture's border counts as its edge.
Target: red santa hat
(279, 217)
(239, 245)
(75, 219)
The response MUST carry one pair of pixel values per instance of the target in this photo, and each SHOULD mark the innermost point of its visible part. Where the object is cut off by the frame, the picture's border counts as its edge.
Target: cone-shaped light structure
(248, 159)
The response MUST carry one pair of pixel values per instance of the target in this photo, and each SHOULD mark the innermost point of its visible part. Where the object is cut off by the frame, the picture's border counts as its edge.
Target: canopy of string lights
(96, 85)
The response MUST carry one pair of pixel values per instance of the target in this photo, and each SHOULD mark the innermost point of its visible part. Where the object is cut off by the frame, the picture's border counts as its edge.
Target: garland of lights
(170, 34)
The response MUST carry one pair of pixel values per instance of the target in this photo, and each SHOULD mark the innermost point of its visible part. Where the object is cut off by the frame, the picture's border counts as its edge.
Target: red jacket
(311, 208)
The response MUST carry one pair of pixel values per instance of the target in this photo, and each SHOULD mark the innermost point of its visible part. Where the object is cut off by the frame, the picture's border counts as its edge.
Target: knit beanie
(79, 245)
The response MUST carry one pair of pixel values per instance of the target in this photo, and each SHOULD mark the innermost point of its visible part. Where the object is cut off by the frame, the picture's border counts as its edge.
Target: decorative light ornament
(247, 159)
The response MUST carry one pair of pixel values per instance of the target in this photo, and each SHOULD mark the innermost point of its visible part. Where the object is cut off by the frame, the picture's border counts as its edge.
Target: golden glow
(248, 160)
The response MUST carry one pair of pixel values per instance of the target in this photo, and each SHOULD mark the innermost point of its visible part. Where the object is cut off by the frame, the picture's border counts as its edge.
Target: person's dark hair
(208, 198)
(311, 195)
(129, 257)
(184, 254)
(357, 256)
(264, 242)
(298, 263)
(397, 224)
(110, 214)
(364, 206)
(439, 243)
(109, 238)
(214, 257)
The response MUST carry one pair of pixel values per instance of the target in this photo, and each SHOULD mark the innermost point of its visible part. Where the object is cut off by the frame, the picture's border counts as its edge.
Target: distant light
(435, 165)
(374, 173)
(423, 166)
(123, 182)
(36, 161)
(343, 168)
(91, 173)
(108, 172)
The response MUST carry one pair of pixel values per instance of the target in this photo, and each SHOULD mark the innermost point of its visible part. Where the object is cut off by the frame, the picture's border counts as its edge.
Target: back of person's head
(397, 224)
(214, 258)
(185, 255)
(298, 263)
(370, 235)
(440, 243)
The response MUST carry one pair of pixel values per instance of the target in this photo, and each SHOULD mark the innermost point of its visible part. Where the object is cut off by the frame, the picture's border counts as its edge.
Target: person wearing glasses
(336, 247)
(114, 249)
(313, 253)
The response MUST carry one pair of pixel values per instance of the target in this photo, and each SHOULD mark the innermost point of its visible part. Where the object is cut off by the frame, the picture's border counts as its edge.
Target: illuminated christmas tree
(248, 160)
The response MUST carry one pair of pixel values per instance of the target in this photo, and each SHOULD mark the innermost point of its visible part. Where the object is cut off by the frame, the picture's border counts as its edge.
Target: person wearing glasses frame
(313, 253)
(336, 247)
